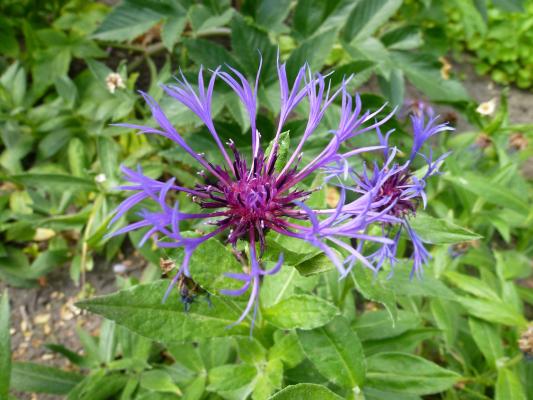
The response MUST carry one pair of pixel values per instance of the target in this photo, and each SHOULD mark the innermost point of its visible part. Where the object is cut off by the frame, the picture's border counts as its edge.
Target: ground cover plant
(314, 218)
(493, 36)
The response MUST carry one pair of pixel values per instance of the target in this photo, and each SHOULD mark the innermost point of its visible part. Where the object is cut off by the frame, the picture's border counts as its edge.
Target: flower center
(252, 199)
(393, 190)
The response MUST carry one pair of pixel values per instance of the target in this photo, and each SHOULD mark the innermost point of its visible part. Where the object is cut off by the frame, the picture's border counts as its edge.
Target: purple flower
(246, 197)
(399, 192)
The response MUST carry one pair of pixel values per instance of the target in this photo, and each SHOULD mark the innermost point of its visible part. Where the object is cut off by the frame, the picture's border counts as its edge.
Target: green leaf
(393, 88)
(159, 381)
(108, 153)
(72, 356)
(487, 340)
(47, 261)
(526, 294)
(203, 20)
(210, 263)
(9, 44)
(446, 315)
(405, 373)
(300, 311)
(54, 141)
(157, 396)
(490, 191)
(107, 342)
(471, 285)
(307, 391)
(141, 310)
(99, 70)
(295, 251)
(371, 49)
(30, 377)
(367, 17)
(493, 311)
(508, 386)
(440, 231)
(286, 348)
(14, 81)
(312, 51)
(362, 70)
(375, 394)
(378, 324)
(232, 381)
(172, 29)
(336, 352)
(77, 157)
(511, 264)
(316, 265)
(277, 287)
(132, 18)
(425, 75)
(427, 286)
(271, 13)
(250, 350)
(309, 15)
(408, 341)
(5, 346)
(510, 5)
(403, 38)
(472, 20)
(195, 390)
(14, 268)
(99, 385)
(67, 89)
(209, 54)
(374, 290)
(285, 283)
(50, 64)
(54, 182)
(269, 379)
(216, 351)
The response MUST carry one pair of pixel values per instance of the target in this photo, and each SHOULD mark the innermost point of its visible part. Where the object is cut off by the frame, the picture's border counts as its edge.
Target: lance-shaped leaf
(439, 231)
(378, 325)
(307, 391)
(35, 378)
(405, 373)
(5, 346)
(141, 310)
(508, 386)
(300, 311)
(336, 352)
(487, 339)
(493, 311)
(490, 191)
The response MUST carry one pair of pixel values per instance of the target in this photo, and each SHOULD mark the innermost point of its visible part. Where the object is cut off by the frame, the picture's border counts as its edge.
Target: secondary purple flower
(248, 196)
(399, 191)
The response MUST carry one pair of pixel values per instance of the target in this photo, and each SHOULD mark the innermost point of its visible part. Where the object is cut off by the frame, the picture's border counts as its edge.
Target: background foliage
(452, 335)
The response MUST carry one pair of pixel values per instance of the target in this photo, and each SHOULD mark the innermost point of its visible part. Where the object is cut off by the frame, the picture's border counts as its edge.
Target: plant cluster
(494, 36)
(260, 178)
(502, 49)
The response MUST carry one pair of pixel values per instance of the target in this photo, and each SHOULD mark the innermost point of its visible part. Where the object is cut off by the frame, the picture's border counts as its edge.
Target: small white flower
(487, 107)
(119, 268)
(100, 178)
(114, 81)
(42, 234)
